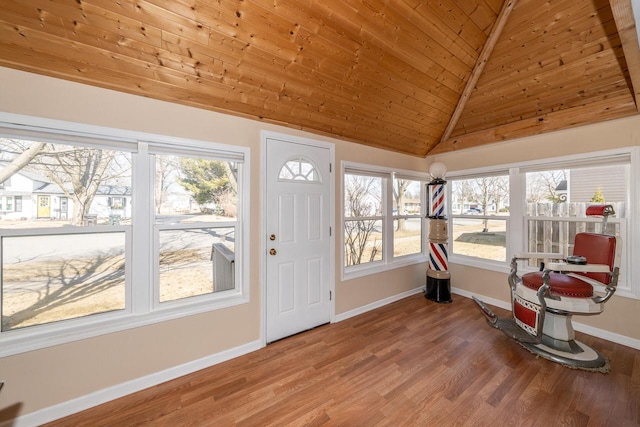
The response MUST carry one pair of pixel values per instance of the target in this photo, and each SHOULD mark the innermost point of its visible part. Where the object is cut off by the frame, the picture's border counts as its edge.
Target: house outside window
(84, 213)
(549, 199)
(557, 199)
(383, 219)
(62, 269)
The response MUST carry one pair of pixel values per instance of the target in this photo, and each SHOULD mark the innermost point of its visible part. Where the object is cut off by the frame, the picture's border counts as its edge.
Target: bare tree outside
(19, 154)
(79, 172)
(544, 186)
(489, 193)
(462, 192)
(363, 206)
(400, 187)
(167, 168)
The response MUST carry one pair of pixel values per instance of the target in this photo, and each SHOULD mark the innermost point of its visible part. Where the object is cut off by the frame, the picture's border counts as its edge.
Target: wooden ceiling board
(522, 46)
(567, 59)
(389, 74)
(434, 29)
(539, 80)
(481, 16)
(608, 109)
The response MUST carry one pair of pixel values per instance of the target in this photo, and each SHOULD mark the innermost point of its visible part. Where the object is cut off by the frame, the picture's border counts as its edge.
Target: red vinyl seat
(561, 285)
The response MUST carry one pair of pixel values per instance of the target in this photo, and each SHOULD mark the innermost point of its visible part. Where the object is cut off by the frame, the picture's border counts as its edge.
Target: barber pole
(437, 199)
(438, 257)
(438, 277)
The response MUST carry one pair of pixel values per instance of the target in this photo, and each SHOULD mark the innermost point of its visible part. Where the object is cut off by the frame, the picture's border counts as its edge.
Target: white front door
(298, 190)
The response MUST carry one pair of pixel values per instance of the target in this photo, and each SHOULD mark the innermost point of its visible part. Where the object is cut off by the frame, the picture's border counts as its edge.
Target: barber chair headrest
(600, 210)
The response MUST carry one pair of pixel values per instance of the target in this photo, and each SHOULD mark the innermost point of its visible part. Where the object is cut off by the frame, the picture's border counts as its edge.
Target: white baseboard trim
(102, 396)
(377, 304)
(590, 330)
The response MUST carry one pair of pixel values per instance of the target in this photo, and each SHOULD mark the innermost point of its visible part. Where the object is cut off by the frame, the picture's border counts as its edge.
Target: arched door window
(299, 169)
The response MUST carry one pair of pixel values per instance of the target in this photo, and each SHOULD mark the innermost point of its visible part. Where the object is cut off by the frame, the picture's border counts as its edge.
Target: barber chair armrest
(587, 268)
(578, 268)
(537, 255)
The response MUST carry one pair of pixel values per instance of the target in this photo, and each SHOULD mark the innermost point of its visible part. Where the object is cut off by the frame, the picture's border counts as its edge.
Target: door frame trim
(264, 135)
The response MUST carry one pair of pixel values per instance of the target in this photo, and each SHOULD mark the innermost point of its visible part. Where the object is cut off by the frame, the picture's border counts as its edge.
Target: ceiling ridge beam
(487, 49)
(626, 25)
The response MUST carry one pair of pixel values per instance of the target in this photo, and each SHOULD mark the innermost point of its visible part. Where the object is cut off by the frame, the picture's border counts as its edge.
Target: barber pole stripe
(437, 200)
(438, 257)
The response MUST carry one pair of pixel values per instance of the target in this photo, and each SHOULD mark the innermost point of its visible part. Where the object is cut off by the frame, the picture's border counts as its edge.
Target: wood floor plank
(410, 363)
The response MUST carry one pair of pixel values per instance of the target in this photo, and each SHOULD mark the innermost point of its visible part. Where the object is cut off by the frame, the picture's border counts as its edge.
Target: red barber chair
(543, 302)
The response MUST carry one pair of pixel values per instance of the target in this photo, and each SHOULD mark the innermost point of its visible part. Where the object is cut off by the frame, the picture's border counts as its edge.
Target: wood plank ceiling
(418, 77)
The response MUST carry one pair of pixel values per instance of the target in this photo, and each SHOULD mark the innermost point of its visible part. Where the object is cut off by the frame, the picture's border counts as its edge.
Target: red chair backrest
(597, 249)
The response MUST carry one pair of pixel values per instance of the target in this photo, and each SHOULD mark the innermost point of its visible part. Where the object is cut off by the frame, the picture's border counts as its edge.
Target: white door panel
(298, 239)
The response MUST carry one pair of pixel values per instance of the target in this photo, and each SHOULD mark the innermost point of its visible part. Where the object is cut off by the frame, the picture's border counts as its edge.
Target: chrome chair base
(572, 353)
(587, 358)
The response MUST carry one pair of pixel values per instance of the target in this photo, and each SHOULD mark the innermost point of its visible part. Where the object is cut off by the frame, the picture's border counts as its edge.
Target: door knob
(272, 251)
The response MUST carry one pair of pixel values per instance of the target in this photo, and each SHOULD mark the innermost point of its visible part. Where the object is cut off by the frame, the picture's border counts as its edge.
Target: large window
(540, 206)
(557, 199)
(407, 216)
(62, 255)
(479, 217)
(196, 206)
(383, 219)
(363, 219)
(108, 232)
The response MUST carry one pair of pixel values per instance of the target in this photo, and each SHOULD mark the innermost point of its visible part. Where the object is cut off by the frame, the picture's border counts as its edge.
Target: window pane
(64, 185)
(480, 196)
(568, 192)
(196, 262)
(406, 197)
(363, 241)
(362, 196)
(195, 190)
(480, 238)
(57, 277)
(563, 195)
(407, 236)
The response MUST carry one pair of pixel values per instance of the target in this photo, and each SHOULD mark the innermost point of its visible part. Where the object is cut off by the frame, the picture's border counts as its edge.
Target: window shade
(180, 150)
(607, 160)
(37, 133)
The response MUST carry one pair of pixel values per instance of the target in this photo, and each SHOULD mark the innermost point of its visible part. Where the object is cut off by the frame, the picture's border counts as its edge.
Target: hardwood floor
(411, 363)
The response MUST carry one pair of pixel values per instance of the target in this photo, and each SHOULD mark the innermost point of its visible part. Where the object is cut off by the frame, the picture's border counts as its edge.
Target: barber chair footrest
(588, 359)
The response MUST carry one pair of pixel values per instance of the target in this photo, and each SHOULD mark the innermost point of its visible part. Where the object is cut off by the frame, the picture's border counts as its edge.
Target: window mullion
(140, 288)
(387, 227)
(517, 202)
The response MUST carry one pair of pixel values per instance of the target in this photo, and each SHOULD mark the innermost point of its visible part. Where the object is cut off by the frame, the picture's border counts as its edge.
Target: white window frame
(470, 260)
(388, 262)
(140, 309)
(629, 285)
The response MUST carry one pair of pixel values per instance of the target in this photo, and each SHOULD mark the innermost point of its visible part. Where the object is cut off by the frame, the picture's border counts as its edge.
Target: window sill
(485, 264)
(363, 271)
(48, 335)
